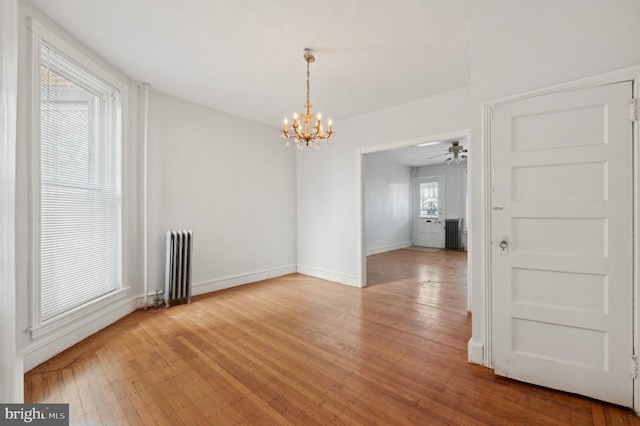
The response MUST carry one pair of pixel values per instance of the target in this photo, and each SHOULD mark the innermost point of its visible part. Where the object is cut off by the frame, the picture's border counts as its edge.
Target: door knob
(504, 244)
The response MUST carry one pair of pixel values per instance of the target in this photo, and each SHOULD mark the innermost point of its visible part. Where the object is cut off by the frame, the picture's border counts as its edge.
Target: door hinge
(634, 366)
(634, 109)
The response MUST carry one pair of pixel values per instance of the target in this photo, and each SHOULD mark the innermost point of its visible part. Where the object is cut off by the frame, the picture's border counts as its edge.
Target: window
(429, 199)
(77, 204)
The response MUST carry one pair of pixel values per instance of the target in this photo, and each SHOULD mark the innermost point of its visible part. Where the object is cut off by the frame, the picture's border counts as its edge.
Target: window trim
(39, 328)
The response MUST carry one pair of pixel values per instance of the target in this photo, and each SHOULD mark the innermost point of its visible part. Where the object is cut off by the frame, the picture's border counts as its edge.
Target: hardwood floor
(299, 350)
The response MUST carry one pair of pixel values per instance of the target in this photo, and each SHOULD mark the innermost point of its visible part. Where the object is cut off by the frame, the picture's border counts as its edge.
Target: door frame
(415, 197)
(627, 74)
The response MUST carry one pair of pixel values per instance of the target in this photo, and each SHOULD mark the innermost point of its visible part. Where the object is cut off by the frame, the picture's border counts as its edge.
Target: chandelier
(307, 128)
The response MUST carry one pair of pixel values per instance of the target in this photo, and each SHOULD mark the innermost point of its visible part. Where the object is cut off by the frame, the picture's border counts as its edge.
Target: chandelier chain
(308, 84)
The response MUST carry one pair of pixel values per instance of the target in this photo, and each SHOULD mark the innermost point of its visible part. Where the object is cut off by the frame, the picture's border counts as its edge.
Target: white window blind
(80, 185)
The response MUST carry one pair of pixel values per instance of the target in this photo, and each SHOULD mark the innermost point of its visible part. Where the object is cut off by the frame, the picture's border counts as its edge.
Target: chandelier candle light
(307, 128)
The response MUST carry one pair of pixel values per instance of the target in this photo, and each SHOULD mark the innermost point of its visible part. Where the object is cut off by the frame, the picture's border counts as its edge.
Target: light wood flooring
(299, 350)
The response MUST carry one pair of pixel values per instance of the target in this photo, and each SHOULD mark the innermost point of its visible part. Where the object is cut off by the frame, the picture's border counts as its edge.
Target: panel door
(562, 241)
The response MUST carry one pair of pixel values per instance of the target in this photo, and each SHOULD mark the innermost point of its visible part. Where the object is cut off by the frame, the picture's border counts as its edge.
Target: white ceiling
(244, 57)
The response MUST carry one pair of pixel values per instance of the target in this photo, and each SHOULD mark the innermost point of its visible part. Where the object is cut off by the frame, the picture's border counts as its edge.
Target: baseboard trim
(475, 351)
(241, 279)
(390, 247)
(328, 275)
(47, 347)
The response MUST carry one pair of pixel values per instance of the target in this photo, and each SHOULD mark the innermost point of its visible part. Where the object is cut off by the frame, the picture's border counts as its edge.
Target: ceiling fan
(457, 154)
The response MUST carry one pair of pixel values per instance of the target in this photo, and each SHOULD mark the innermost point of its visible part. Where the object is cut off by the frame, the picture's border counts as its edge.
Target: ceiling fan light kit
(456, 150)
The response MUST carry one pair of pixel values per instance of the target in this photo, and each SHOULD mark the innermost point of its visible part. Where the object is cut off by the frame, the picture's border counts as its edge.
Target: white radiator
(177, 278)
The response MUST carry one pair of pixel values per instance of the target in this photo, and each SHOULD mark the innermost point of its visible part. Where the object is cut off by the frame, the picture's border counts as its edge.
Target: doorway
(439, 143)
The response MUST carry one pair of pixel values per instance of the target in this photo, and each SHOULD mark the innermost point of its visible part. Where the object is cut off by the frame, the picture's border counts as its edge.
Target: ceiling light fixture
(456, 159)
(457, 153)
(307, 128)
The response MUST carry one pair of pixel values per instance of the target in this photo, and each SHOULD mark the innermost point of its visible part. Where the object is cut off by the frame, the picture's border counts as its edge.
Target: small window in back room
(429, 199)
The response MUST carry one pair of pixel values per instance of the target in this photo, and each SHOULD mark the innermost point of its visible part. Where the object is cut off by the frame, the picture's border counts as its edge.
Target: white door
(562, 247)
(429, 219)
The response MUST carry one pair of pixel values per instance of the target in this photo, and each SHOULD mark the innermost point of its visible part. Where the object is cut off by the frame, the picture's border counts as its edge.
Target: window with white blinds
(79, 229)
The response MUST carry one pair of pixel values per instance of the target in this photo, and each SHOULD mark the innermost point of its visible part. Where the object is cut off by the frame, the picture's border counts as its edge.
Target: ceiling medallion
(307, 128)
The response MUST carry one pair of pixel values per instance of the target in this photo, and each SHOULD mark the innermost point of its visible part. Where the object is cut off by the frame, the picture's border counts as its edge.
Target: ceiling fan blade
(436, 156)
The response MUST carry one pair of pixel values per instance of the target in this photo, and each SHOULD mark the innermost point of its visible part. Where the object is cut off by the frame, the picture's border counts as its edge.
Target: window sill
(77, 314)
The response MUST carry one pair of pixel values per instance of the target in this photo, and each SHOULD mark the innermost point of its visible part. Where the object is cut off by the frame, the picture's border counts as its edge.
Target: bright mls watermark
(34, 414)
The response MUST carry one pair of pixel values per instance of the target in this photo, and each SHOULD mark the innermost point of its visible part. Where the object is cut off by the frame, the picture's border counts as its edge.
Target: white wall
(387, 203)
(229, 180)
(522, 45)
(455, 190)
(329, 221)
